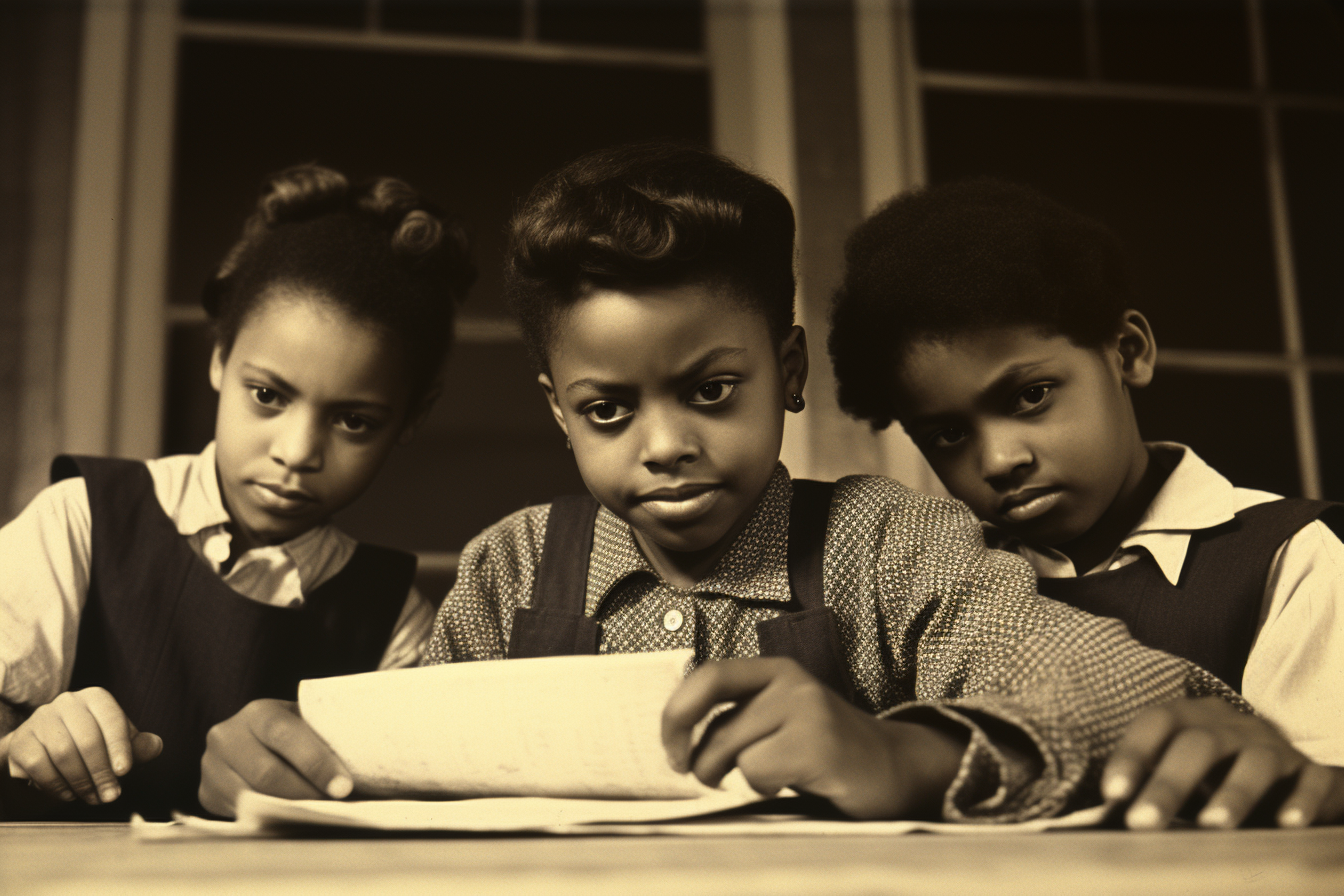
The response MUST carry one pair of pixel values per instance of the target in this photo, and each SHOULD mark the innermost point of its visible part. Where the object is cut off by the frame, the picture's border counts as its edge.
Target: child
(163, 596)
(655, 290)
(997, 327)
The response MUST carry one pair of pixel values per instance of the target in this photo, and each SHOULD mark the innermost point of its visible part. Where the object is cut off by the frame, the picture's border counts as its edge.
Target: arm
(1297, 661)
(74, 744)
(1043, 691)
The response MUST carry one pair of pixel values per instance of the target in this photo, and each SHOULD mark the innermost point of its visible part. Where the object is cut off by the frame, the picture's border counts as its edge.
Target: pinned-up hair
(963, 257)
(377, 249)
(648, 216)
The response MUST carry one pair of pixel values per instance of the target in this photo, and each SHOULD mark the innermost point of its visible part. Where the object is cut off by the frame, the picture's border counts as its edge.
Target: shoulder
(885, 502)
(62, 502)
(516, 540)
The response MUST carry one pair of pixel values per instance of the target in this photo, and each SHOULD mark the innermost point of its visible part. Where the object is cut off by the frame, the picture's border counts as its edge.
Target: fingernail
(1116, 787)
(1292, 818)
(66, 795)
(340, 787)
(1215, 817)
(1143, 816)
(121, 767)
(109, 793)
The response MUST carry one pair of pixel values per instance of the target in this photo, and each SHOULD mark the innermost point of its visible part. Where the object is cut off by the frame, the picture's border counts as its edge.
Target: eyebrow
(287, 386)
(692, 370)
(1007, 375)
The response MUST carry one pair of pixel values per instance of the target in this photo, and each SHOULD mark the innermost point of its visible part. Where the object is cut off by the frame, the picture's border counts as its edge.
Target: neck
(1100, 541)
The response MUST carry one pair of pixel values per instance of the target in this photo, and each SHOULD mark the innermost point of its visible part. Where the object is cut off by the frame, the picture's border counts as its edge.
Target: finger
(29, 759)
(711, 684)
(1188, 758)
(1304, 805)
(1138, 751)
(1251, 777)
(220, 786)
(146, 746)
(291, 738)
(717, 753)
(117, 731)
(88, 769)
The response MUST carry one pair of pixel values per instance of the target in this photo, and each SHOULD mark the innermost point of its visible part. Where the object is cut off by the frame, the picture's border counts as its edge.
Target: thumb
(145, 746)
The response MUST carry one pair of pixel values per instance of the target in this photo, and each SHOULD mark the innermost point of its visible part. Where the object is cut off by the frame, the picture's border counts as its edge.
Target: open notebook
(563, 744)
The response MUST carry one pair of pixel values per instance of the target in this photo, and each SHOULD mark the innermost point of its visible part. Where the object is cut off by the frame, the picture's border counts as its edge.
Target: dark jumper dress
(181, 651)
(1212, 614)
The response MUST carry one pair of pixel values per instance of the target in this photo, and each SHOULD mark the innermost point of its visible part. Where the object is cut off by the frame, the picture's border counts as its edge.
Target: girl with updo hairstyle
(145, 602)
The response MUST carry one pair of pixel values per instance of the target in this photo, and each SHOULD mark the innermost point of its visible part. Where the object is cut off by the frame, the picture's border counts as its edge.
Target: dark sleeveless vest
(1213, 612)
(555, 624)
(181, 651)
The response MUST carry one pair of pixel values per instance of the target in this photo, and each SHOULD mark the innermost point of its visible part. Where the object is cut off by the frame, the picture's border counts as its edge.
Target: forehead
(938, 374)
(630, 334)
(313, 343)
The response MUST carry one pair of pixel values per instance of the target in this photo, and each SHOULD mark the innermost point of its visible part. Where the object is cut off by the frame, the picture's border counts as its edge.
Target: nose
(298, 443)
(668, 439)
(1004, 455)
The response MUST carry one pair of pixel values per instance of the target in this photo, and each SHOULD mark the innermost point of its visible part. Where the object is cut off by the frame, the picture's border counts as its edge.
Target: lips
(1029, 503)
(676, 505)
(278, 499)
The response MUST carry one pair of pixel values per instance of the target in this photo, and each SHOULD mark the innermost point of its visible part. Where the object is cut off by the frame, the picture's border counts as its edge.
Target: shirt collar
(201, 513)
(754, 568)
(1194, 497)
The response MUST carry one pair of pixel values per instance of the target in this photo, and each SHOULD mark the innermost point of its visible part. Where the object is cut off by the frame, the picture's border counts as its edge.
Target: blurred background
(134, 137)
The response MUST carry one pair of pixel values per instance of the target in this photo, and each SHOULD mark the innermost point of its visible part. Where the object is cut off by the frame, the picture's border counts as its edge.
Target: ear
(217, 367)
(793, 364)
(416, 417)
(1136, 349)
(549, 388)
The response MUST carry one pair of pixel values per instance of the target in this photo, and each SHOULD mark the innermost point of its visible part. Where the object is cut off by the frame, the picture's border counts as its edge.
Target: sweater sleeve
(1045, 690)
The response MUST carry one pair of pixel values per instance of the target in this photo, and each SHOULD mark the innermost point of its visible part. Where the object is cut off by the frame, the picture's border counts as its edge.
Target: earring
(568, 446)
(798, 402)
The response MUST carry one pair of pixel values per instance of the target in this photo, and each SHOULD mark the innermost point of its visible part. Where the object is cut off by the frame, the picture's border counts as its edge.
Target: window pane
(1327, 395)
(476, 18)
(1241, 424)
(473, 133)
(1197, 43)
(1313, 159)
(1305, 44)
(1042, 38)
(655, 24)
(328, 13)
(1182, 185)
(488, 448)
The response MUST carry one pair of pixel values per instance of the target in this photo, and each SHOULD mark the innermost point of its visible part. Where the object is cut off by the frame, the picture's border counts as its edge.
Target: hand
(1171, 749)
(790, 730)
(266, 747)
(78, 745)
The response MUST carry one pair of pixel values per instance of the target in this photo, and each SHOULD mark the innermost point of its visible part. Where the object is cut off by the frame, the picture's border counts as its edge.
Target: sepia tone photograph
(654, 446)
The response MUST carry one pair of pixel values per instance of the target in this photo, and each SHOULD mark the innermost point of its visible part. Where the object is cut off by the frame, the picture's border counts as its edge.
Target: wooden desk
(49, 859)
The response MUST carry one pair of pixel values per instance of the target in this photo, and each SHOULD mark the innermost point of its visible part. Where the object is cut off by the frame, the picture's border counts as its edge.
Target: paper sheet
(558, 726)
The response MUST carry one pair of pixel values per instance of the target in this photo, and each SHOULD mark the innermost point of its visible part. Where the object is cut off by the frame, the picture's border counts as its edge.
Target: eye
(354, 423)
(1032, 397)
(712, 392)
(946, 438)
(267, 397)
(602, 412)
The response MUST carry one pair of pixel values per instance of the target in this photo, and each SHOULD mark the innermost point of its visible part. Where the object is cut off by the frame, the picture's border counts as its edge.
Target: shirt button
(672, 620)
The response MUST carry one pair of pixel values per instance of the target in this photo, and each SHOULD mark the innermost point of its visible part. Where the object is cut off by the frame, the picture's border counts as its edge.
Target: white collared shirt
(1295, 672)
(45, 562)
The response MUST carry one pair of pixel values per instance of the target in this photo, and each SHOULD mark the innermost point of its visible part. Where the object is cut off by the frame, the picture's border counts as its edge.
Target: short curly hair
(648, 216)
(962, 257)
(378, 249)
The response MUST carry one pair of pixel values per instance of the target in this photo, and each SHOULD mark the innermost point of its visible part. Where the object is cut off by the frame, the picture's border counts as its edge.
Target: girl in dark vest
(144, 603)
(997, 326)
(878, 654)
